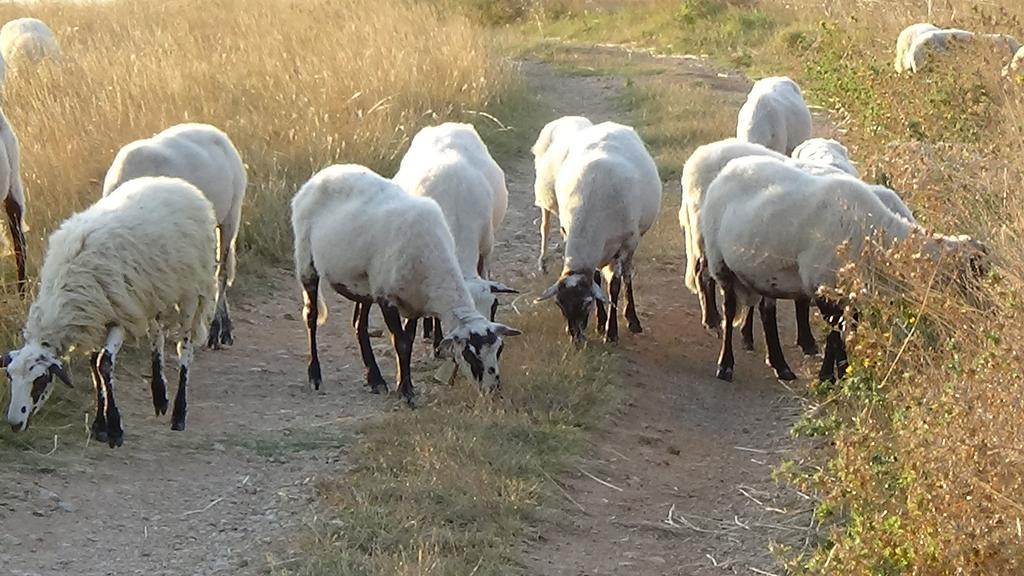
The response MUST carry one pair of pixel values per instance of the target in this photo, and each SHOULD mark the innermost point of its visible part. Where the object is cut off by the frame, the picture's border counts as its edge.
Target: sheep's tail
(543, 140)
(693, 252)
(305, 272)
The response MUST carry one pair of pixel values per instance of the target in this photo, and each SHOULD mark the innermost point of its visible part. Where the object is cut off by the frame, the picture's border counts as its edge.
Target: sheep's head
(31, 371)
(485, 295)
(476, 348)
(575, 293)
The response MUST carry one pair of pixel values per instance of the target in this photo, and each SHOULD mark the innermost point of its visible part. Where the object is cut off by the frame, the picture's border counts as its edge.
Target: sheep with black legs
(609, 195)
(141, 260)
(775, 115)
(548, 155)
(13, 195)
(397, 253)
(205, 157)
(451, 165)
(771, 230)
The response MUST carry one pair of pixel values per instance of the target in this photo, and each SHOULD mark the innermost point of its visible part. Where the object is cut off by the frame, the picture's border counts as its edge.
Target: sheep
(399, 254)
(141, 260)
(27, 39)
(609, 195)
(935, 40)
(828, 152)
(775, 115)
(450, 164)
(755, 259)
(13, 197)
(205, 157)
(548, 155)
(904, 41)
(1015, 66)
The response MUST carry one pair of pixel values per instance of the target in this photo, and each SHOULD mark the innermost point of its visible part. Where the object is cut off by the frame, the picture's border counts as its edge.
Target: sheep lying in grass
(609, 194)
(451, 165)
(13, 196)
(775, 115)
(399, 254)
(548, 155)
(29, 40)
(140, 261)
(205, 157)
(771, 230)
(906, 39)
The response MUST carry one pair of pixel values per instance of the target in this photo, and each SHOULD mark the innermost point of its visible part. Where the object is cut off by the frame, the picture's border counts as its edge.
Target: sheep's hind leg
(726, 360)
(105, 369)
(374, 380)
(402, 337)
(804, 335)
(545, 219)
(185, 355)
(614, 289)
(312, 287)
(747, 332)
(158, 384)
(99, 423)
(776, 359)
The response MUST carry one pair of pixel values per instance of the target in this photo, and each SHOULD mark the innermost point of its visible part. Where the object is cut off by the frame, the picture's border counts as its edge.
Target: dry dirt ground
(217, 498)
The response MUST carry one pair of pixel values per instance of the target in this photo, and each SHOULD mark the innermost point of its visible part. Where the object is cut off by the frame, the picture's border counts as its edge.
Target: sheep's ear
(551, 291)
(503, 330)
(6, 359)
(56, 369)
(499, 288)
(599, 293)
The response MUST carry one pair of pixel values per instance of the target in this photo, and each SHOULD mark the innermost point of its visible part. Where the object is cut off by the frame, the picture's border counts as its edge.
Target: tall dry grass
(296, 84)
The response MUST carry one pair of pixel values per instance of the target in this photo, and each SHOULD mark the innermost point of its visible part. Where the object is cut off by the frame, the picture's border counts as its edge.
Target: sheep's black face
(575, 294)
(477, 349)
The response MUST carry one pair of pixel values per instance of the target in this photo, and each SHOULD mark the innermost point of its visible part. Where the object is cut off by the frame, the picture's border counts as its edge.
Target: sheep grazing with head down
(775, 115)
(203, 156)
(548, 155)
(13, 196)
(828, 152)
(399, 254)
(609, 195)
(906, 39)
(140, 261)
(27, 40)
(771, 230)
(451, 165)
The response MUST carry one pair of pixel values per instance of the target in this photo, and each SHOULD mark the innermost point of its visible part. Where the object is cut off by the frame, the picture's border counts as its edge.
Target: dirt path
(218, 498)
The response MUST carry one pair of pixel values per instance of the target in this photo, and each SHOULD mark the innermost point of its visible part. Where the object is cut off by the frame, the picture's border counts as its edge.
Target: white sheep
(451, 165)
(828, 152)
(934, 40)
(771, 230)
(140, 261)
(775, 115)
(1015, 66)
(609, 195)
(29, 40)
(904, 41)
(548, 155)
(397, 253)
(205, 157)
(13, 194)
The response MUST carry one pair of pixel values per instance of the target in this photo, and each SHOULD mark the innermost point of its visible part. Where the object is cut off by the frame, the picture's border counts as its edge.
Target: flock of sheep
(764, 217)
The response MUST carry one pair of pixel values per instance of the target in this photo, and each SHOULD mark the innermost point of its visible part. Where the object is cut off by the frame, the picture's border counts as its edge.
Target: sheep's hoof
(160, 407)
(178, 425)
(541, 266)
(810, 349)
(115, 434)
(635, 327)
(378, 387)
(226, 338)
(610, 338)
(785, 375)
(410, 401)
(748, 345)
(99, 430)
(724, 373)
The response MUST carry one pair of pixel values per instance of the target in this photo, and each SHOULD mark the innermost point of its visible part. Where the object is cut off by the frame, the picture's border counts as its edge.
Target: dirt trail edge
(238, 483)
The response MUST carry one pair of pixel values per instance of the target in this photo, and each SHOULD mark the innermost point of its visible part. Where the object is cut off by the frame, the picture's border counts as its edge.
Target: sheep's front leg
(428, 329)
(104, 369)
(602, 315)
(747, 332)
(804, 335)
(374, 381)
(545, 220)
(776, 359)
(185, 355)
(614, 288)
(158, 384)
(438, 335)
(402, 339)
(312, 287)
(14, 215)
(835, 348)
